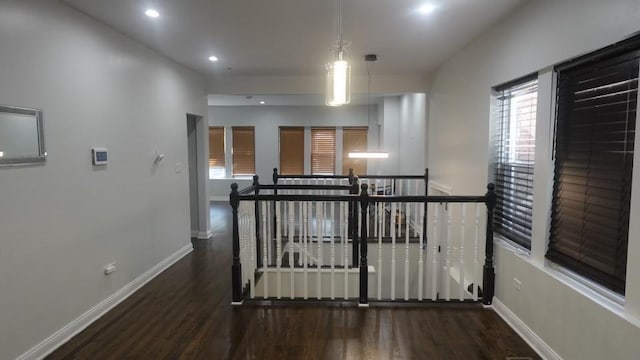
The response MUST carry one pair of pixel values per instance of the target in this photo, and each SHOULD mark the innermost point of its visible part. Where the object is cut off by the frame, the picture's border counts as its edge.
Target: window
(291, 150)
(216, 152)
(244, 154)
(323, 151)
(595, 133)
(515, 153)
(354, 140)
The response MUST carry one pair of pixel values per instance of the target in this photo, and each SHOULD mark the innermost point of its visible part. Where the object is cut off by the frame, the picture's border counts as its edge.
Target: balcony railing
(332, 238)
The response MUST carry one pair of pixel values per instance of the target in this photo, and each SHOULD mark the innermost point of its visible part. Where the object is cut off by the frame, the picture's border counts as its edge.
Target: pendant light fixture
(338, 69)
(369, 58)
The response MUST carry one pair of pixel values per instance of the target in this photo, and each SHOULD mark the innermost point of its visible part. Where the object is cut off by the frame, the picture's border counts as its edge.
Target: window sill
(515, 248)
(595, 292)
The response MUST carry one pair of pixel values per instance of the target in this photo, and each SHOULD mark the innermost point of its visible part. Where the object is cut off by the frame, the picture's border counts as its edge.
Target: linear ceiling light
(368, 155)
(338, 69)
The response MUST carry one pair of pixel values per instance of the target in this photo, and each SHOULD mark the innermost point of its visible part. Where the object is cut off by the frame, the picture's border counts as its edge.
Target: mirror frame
(42, 154)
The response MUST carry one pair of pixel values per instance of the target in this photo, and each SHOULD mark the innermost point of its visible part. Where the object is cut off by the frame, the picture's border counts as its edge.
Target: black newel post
(364, 266)
(273, 206)
(256, 186)
(489, 275)
(350, 176)
(236, 277)
(353, 221)
(425, 216)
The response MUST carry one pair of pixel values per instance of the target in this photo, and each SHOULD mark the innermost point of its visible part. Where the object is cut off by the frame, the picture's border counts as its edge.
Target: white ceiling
(293, 37)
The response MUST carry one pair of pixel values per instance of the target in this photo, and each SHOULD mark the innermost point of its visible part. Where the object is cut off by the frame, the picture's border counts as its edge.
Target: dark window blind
(291, 150)
(354, 140)
(323, 151)
(216, 152)
(515, 155)
(595, 133)
(244, 153)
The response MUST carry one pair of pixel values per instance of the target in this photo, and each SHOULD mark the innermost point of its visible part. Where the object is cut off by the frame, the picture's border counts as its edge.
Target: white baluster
(301, 225)
(447, 274)
(383, 213)
(269, 234)
(375, 215)
(333, 250)
(345, 249)
(417, 206)
(265, 261)
(392, 227)
(379, 207)
(305, 225)
(461, 250)
(252, 244)
(278, 252)
(420, 253)
(434, 252)
(284, 212)
(291, 252)
(476, 267)
(406, 251)
(319, 235)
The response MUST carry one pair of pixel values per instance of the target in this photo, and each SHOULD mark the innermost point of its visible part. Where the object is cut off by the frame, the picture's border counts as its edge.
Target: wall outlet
(517, 284)
(109, 268)
(178, 167)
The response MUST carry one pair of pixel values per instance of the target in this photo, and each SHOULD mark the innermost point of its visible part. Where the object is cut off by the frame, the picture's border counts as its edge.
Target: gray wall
(574, 321)
(62, 222)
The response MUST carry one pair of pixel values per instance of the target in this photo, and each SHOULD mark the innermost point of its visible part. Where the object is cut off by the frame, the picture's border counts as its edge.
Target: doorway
(192, 143)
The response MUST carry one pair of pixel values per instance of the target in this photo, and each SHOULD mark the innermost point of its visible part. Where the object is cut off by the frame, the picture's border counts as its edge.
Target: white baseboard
(70, 330)
(204, 235)
(541, 347)
(218, 198)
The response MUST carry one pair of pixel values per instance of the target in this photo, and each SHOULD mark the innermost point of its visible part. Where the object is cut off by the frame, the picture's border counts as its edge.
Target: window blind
(244, 157)
(216, 152)
(323, 151)
(595, 133)
(291, 150)
(354, 140)
(515, 155)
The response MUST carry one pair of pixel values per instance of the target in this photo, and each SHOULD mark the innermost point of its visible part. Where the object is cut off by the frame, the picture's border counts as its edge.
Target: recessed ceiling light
(213, 58)
(152, 13)
(426, 9)
(262, 102)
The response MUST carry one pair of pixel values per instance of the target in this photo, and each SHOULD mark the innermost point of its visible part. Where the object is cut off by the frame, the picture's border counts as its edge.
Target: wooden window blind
(291, 150)
(244, 153)
(595, 134)
(216, 152)
(515, 155)
(354, 140)
(323, 151)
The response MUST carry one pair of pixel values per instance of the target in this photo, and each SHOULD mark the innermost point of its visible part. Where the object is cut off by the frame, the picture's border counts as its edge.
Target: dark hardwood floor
(185, 313)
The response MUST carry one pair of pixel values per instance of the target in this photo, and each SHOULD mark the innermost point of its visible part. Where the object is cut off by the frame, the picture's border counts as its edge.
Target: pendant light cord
(339, 5)
(368, 95)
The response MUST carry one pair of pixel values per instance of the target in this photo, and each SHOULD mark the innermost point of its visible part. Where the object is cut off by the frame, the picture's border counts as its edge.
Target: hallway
(185, 313)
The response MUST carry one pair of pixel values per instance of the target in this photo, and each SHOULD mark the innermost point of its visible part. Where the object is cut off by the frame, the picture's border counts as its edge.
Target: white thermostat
(99, 156)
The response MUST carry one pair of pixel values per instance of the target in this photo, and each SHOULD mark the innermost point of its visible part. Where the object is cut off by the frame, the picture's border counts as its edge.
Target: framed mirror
(21, 136)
